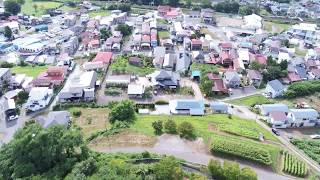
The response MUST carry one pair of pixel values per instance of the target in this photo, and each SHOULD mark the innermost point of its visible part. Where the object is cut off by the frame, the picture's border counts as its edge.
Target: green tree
(105, 33)
(245, 10)
(168, 168)
(123, 111)
(35, 150)
(22, 97)
(215, 169)
(286, 43)
(170, 126)
(189, 3)
(7, 32)
(255, 65)
(83, 169)
(186, 130)
(247, 174)
(35, 7)
(283, 65)
(173, 2)
(231, 170)
(125, 29)
(206, 4)
(157, 126)
(206, 85)
(12, 7)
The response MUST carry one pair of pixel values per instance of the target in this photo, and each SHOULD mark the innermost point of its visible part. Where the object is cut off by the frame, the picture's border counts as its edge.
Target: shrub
(157, 126)
(161, 102)
(215, 169)
(170, 126)
(76, 113)
(186, 130)
(241, 150)
(123, 111)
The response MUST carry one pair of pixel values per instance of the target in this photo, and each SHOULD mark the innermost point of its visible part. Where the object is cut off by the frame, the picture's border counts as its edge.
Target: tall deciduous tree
(7, 32)
(123, 111)
(168, 168)
(12, 7)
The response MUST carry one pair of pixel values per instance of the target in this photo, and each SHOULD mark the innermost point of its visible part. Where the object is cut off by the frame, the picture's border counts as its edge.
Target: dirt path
(191, 151)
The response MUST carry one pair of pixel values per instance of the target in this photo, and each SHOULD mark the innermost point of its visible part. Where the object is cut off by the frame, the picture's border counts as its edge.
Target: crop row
(310, 147)
(242, 150)
(294, 166)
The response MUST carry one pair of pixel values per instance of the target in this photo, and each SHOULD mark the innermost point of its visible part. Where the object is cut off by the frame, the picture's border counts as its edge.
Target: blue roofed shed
(219, 107)
(195, 74)
(190, 106)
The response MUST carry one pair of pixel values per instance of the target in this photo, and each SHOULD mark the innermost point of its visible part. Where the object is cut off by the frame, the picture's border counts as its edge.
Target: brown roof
(254, 74)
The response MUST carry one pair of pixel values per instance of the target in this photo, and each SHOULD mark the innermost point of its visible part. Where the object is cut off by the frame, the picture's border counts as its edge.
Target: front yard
(251, 100)
(32, 71)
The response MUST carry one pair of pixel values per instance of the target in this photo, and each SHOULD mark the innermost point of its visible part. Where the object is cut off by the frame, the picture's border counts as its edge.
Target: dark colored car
(275, 131)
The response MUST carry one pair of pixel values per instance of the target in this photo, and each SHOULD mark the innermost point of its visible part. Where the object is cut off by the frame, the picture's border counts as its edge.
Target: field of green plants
(310, 147)
(242, 150)
(294, 166)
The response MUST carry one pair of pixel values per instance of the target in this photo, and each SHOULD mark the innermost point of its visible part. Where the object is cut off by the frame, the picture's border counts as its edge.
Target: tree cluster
(230, 171)
(184, 129)
(230, 6)
(13, 6)
(275, 70)
(125, 29)
(123, 111)
(303, 88)
(122, 7)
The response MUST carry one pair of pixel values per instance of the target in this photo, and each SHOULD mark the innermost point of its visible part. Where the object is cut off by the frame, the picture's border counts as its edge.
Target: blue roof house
(187, 107)
(274, 89)
(266, 109)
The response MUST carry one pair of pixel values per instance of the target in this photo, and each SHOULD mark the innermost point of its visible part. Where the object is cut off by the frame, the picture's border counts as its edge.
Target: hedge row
(242, 150)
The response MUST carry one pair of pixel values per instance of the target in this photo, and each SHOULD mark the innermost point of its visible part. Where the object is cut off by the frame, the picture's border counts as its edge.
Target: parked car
(275, 131)
(315, 136)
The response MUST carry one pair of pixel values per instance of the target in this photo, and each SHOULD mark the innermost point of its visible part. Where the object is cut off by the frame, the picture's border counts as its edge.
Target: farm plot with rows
(294, 166)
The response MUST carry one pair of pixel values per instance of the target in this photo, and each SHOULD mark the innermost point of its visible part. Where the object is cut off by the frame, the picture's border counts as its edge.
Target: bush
(157, 126)
(215, 169)
(170, 126)
(303, 88)
(242, 150)
(76, 113)
(186, 130)
(112, 91)
(123, 111)
(161, 102)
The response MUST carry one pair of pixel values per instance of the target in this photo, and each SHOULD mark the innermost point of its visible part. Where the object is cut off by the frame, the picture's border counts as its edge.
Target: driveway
(186, 82)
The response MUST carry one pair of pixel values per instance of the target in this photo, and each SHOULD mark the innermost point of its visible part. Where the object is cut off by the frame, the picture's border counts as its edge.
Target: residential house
(145, 42)
(219, 107)
(196, 45)
(81, 88)
(169, 62)
(197, 56)
(252, 22)
(69, 20)
(190, 107)
(39, 98)
(101, 61)
(183, 62)
(255, 77)
(301, 71)
(71, 46)
(164, 79)
(266, 109)
(278, 119)
(218, 85)
(304, 31)
(53, 76)
(314, 74)
(135, 61)
(243, 56)
(293, 77)
(168, 44)
(303, 117)
(232, 79)
(135, 90)
(17, 81)
(158, 53)
(5, 76)
(61, 118)
(283, 56)
(274, 89)
(207, 16)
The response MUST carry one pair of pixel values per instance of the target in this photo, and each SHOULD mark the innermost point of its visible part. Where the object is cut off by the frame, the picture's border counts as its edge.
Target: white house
(274, 89)
(278, 119)
(39, 98)
(266, 109)
(244, 56)
(252, 22)
(5, 76)
(303, 117)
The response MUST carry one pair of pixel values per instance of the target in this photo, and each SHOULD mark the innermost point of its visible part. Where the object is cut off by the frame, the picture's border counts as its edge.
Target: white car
(315, 136)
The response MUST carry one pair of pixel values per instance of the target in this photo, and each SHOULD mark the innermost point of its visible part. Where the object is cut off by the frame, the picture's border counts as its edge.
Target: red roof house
(104, 57)
(54, 76)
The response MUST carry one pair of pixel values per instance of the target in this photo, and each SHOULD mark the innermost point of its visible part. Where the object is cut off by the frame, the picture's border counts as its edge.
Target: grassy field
(42, 6)
(68, 8)
(209, 125)
(163, 34)
(91, 120)
(275, 27)
(32, 71)
(251, 100)
(121, 66)
(99, 13)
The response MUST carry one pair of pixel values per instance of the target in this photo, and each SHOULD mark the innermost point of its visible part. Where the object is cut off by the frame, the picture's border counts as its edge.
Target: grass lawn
(209, 125)
(251, 100)
(67, 8)
(162, 21)
(42, 6)
(163, 34)
(300, 52)
(121, 66)
(99, 13)
(275, 27)
(32, 71)
(91, 120)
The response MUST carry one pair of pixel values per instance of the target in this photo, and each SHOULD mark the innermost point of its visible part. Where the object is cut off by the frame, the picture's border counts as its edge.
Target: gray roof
(159, 51)
(232, 76)
(276, 85)
(55, 118)
(3, 71)
(195, 107)
(305, 113)
(219, 106)
(183, 62)
(267, 108)
(301, 72)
